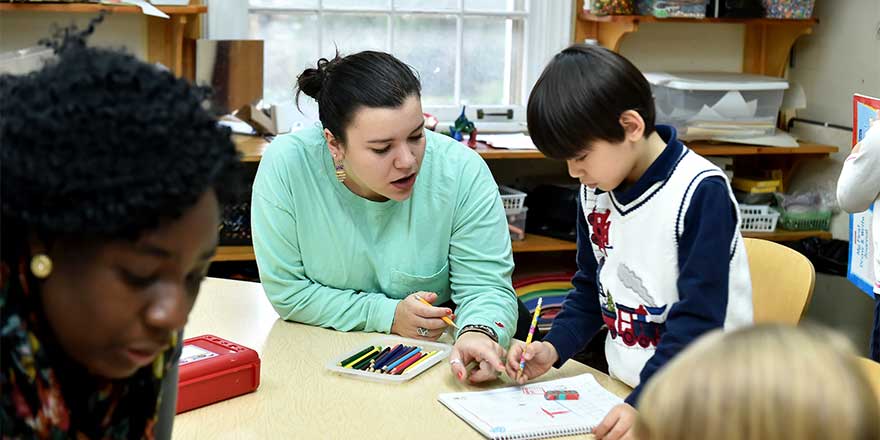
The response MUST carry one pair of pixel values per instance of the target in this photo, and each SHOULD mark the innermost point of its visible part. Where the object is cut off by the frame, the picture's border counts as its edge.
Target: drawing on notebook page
(523, 412)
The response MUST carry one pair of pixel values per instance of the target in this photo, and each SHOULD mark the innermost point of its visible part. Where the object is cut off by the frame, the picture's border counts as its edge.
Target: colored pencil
(393, 354)
(444, 318)
(366, 362)
(421, 359)
(390, 352)
(357, 355)
(402, 359)
(399, 369)
(378, 356)
(405, 351)
(522, 358)
(350, 364)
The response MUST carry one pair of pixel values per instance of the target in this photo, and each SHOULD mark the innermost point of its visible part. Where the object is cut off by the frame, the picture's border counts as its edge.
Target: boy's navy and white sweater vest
(635, 246)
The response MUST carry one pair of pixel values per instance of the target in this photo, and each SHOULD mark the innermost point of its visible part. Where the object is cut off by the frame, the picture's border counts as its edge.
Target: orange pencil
(444, 318)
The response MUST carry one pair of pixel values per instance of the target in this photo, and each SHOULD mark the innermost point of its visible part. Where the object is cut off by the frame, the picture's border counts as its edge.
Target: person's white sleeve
(859, 182)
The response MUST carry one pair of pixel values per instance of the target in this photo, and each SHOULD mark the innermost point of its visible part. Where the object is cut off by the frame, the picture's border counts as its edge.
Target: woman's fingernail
(459, 375)
(448, 311)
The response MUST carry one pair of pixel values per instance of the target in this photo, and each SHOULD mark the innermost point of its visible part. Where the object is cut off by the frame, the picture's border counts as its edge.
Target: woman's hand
(414, 319)
(479, 348)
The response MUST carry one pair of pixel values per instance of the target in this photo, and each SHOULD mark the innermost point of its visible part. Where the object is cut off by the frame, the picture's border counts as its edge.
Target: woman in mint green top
(354, 218)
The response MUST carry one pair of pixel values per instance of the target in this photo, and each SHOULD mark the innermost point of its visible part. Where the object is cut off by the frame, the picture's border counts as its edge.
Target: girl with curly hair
(111, 171)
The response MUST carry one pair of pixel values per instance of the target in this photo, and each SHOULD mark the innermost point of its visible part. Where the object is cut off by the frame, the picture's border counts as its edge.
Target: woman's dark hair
(365, 79)
(579, 99)
(98, 144)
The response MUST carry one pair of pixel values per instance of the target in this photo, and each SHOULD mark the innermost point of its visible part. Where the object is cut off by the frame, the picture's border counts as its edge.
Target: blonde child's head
(765, 382)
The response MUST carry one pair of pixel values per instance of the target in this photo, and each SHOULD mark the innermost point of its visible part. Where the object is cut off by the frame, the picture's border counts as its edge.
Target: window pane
(290, 46)
(353, 33)
(356, 4)
(422, 5)
(494, 5)
(428, 45)
(484, 60)
(284, 3)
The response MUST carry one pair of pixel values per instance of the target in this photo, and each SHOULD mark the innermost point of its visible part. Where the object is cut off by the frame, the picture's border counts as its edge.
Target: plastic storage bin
(797, 9)
(679, 8)
(610, 7)
(705, 105)
(516, 223)
(758, 218)
(511, 199)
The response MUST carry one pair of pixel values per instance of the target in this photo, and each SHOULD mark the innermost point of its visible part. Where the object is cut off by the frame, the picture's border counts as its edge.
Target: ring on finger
(455, 361)
(423, 332)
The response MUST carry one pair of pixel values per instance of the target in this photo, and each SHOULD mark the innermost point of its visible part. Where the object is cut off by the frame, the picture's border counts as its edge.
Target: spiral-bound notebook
(524, 413)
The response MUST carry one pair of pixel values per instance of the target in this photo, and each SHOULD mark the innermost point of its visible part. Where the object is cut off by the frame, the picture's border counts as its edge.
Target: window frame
(542, 37)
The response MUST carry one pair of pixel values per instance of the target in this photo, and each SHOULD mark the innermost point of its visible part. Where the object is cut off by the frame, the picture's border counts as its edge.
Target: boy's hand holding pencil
(528, 361)
(539, 357)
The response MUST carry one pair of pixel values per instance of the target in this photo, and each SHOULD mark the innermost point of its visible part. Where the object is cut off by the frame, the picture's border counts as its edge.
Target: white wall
(840, 58)
(685, 46)
(23, 29)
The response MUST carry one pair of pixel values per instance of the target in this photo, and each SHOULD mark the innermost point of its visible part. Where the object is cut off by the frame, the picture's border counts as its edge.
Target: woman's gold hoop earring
(41, 266)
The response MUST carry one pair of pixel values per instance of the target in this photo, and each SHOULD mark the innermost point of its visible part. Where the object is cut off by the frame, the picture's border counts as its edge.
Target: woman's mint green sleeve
(480, 256)
(294, 296)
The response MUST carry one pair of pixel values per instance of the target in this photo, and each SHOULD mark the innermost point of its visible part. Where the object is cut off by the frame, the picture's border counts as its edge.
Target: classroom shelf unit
(252, 148)
(766, 50)
(169, 41)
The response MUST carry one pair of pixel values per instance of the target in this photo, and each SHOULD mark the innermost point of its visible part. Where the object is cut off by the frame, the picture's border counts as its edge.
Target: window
(466, 52)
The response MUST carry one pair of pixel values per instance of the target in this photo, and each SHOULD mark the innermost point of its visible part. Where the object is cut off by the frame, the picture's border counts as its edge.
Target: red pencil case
(212, 369)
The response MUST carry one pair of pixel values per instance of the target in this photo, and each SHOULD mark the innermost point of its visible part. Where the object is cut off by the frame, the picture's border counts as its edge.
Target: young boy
(660, 255)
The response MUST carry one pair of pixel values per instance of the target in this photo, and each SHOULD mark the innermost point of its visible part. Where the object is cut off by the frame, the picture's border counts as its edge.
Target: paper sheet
(145, 6)
(523, 412)
(514, 141)
(778, 139)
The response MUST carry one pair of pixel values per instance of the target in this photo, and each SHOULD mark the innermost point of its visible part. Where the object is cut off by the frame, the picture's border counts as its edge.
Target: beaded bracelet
(484, 329)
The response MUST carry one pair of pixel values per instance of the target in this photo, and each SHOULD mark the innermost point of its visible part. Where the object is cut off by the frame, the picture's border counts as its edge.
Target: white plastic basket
(512, 199)
(758, 218)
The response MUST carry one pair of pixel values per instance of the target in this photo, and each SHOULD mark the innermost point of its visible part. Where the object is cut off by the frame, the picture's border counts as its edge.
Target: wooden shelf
(540, 243)
(726, 149)
(169, 41)
(532, 243)
(489, 153)
(234, 253)
(784, 235)
(97, 7)
(252, 147)
(586, 16)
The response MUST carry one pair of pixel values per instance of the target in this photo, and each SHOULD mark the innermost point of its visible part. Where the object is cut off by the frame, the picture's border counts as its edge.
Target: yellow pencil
(522, 358)
(444, 318)
(426, 356)
(361, 358)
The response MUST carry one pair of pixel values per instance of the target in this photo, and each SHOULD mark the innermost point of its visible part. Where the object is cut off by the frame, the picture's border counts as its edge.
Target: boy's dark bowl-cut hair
(579, 99)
